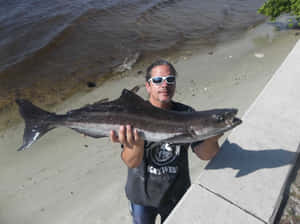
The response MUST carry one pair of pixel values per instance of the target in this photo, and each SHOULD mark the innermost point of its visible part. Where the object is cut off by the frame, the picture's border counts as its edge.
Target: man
(158, 173)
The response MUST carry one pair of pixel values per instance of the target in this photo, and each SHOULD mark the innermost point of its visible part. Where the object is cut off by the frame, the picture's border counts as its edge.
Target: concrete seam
(227, 200)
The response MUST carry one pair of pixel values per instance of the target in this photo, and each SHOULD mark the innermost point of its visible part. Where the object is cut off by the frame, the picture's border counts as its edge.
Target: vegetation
(274, 8)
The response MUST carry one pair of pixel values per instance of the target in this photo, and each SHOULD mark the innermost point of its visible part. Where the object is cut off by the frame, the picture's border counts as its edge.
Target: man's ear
(148, 87)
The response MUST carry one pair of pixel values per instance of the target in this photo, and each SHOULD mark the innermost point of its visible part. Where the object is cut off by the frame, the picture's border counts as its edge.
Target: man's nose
(164, 83)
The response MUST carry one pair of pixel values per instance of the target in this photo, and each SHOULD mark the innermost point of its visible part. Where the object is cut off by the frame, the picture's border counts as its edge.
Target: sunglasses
(159, 80)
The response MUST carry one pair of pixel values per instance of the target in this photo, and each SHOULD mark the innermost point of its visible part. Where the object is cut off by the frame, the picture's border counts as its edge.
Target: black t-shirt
(163, 175)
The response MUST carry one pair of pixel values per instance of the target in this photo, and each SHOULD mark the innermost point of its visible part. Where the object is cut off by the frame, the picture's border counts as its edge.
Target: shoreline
(67, 178)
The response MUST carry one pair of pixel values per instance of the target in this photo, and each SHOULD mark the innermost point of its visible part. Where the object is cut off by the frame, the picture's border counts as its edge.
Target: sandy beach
(68, 178)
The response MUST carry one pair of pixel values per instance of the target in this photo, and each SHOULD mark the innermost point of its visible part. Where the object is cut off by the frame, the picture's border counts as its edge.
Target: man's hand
(133, 145)
(128, 137)
(208, 149)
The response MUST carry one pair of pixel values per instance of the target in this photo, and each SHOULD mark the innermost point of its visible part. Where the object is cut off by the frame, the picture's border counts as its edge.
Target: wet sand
(68, 178)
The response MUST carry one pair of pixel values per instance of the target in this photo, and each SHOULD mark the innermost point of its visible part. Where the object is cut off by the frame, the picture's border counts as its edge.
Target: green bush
(274, 8)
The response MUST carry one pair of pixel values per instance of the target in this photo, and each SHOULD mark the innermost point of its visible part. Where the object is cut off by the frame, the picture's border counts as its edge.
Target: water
(56, 45)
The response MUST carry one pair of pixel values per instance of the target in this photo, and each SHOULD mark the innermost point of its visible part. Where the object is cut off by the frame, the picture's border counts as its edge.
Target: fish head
(214, 122)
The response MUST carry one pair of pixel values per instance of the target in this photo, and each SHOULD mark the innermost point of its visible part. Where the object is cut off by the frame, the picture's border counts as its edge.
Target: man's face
(161, 94)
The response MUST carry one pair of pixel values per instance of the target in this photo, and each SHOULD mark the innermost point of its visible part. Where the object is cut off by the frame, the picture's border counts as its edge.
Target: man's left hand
(208, 149)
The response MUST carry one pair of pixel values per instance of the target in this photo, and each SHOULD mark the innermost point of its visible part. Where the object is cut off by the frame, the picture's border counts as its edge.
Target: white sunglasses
(171, 79)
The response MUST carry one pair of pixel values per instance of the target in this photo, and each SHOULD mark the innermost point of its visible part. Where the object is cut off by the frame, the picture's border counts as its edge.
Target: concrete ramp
(244, 183)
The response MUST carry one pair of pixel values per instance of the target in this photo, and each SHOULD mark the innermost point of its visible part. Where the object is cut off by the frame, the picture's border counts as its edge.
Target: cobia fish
(153, 124)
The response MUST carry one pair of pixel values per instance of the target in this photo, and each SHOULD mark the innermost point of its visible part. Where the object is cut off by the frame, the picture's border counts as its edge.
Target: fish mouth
(231, 119)
(232, 122)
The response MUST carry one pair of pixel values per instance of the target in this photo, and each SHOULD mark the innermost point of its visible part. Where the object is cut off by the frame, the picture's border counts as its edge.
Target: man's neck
(163, 105)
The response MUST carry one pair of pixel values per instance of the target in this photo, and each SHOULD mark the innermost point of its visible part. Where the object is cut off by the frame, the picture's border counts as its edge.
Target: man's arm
(207, 149)
(133, 145)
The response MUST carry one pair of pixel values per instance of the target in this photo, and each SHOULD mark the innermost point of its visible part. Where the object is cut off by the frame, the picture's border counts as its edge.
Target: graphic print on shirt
(162, 157)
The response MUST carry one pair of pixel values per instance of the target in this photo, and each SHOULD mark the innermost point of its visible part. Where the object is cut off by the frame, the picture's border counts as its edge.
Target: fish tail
(37, 122)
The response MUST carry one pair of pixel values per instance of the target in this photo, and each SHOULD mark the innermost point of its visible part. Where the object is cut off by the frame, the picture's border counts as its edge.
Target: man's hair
(157, 63)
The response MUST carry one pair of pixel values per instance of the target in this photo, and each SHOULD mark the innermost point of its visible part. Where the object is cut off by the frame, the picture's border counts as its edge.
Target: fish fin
(129, 98)
(135, 89)
(131, 102)
(86, 133)
(103, 100)
(36, 122)
(89, 106)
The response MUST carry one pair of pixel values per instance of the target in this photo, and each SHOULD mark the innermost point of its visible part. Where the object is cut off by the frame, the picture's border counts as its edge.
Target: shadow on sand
(249, 161)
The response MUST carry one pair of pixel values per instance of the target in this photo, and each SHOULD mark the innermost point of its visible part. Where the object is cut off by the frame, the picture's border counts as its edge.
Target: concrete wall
(244, 182)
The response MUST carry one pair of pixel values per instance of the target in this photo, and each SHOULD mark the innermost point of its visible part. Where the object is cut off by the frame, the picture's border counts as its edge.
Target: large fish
(153, 124)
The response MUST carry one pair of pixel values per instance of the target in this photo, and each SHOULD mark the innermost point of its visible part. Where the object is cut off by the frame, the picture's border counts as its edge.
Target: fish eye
(218, 117)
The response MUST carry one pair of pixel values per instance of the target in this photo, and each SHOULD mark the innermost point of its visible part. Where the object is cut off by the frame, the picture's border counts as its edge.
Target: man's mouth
(164, 93)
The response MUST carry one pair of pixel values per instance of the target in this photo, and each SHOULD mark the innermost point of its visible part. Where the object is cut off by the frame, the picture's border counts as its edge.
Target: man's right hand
(128, 137)
(133, 145)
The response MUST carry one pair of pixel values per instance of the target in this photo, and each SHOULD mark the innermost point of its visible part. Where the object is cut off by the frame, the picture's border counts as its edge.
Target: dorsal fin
(135, 104)
(132, 101)
(128, 101)
(104, 100)
(135, 89)
(128, 94)
(130, 98)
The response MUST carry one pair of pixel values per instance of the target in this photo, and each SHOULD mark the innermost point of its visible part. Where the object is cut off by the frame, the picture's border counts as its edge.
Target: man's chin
(165, 99)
